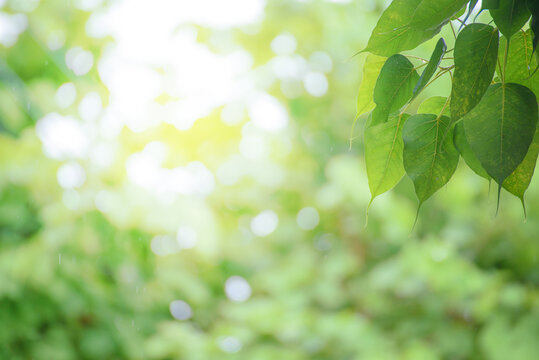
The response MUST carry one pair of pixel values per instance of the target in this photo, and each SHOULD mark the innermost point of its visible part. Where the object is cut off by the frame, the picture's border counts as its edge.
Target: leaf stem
(453, 29)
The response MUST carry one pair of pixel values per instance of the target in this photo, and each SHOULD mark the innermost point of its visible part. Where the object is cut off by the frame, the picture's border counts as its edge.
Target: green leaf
(510, 16)
(520, 61)
(434, 105)
(533, 6)
(501, 127)
(466, 151)
(407, 23)
(371, 70)
(476, 51)
(517, 183)
(394, 87)
(430, 69)
(428, 161)
(490, 4)
(383, 154)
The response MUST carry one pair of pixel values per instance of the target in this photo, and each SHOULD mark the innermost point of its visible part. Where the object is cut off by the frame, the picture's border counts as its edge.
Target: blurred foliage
(86, 271)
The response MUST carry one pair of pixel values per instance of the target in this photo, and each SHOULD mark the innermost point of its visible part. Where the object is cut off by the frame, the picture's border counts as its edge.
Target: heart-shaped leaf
(510, 16)
(466, 151)
(383, 154)
(501, 127)
(394, 87)
(429, 161)
(407, 23)
(371, 70)
(476, 52)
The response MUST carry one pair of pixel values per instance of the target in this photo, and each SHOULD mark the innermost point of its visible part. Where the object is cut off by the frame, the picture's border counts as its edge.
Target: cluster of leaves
(490, 116)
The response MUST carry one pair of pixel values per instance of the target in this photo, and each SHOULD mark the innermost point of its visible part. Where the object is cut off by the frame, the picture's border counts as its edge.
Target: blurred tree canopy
(177, 183)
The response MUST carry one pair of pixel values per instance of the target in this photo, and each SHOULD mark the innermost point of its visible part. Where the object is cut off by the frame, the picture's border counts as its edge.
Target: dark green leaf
(490, 4)
(407, 23)
(510, 16)
(383, 154)
(466, 151)
(371, 70)
(501, 127)
(476, 51)
(394, 87)
(430, 69)
(520, 179)
(520, 61)
(428, 161)
(533, 6)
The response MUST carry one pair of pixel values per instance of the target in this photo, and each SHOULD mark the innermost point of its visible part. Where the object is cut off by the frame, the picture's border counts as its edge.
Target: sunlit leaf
(430, 69)
(520, 60)
(371, 70)
(434, 105)
(510, 16)
(383, 154)
(407, 23)
(501, 127)
(394, 87)
(476, 51)
(429, 161)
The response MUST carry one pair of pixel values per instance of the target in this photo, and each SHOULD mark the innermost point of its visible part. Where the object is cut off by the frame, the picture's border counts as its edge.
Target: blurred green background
(177, 183)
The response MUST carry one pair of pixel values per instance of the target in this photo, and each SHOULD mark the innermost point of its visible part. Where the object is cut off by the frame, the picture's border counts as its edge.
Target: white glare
(66, 95)
(186, 237)
(308, 218)
(71, 175)
(229, 344)
(268, 113)
(237, 289)
(284, 44)
(79, 61)
(264, 223)
(62, 137)
(320, 61)
(90, 106)
(11, 26)
(180, 310)
(316, 83)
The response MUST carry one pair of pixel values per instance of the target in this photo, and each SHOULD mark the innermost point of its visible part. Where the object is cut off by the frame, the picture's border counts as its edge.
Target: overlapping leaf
(476, 52)
(510, 16)
(394, 87)
(429, 161)
(466, 151)
(430, 69)
(517, 183)
(371, 70)
(501, 127)
(383, 154)
(407, 23)
(520, 60)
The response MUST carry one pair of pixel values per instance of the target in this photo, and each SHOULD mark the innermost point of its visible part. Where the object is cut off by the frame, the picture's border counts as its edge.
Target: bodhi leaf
(407, 23)
(383, 154)
(394, 87)
(428, 161)
(466, 151)
(517, 183)
(476, 52)
(490, 4)
(435, 58)
(434, 105)
(371, 70)
(501, 127)
(533, 6)
(520, 61)
(510, 16)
